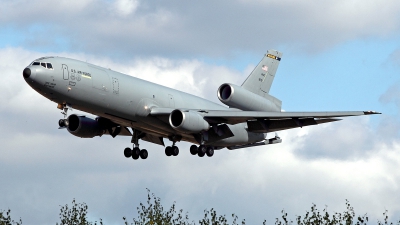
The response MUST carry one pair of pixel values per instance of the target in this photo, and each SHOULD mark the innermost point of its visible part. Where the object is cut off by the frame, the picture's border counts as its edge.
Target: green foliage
(5, 218)
(211, 217)
(75, 215)
(154, 213)
(323, 218)
(315, 217)
(385, 220)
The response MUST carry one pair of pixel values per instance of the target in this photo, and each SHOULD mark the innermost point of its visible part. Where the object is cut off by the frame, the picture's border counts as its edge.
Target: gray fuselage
(124, 99)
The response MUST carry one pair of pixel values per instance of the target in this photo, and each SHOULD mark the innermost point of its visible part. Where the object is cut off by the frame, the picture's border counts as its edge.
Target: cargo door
(100, 79)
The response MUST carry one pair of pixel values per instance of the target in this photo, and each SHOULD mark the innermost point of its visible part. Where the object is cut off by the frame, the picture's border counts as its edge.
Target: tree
(153, 212)
(5, 218)
(315, 217)
(75, 215)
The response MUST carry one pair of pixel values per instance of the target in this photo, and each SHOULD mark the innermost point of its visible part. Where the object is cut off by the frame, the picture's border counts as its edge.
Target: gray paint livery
(154, 112)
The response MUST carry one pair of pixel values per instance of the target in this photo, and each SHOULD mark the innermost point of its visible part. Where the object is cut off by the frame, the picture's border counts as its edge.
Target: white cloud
(210, 28)
(126, 7)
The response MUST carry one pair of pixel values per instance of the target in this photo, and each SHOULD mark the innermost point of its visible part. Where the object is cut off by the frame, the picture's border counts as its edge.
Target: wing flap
(153, 139)
(265, 126)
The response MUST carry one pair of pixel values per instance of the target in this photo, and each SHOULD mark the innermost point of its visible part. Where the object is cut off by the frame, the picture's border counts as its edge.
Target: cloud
(348, 143)
(126, 7)
(187, 29)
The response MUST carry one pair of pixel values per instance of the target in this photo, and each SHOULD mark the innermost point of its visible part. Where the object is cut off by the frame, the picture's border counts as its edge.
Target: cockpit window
(45, 65)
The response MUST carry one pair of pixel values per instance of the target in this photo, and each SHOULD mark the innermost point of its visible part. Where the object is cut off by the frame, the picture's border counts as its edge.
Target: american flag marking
(265, 68)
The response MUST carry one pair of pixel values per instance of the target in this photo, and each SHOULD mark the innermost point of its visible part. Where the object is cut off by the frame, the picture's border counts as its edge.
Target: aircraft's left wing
(264, 122)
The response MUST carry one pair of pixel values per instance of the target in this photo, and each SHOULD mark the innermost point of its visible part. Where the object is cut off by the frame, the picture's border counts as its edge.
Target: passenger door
(65, 72)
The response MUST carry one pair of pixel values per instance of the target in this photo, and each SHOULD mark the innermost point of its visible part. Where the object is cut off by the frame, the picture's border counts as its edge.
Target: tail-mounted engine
(188, 122)
(240, 98)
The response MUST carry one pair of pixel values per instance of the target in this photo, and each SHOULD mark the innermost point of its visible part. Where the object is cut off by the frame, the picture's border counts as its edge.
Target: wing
(264, 122)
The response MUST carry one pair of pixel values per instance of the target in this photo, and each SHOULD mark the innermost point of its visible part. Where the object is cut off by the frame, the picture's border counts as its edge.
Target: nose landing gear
(63, 123)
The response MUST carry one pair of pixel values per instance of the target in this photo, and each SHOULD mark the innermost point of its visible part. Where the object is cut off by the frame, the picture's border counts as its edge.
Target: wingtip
(371, 112)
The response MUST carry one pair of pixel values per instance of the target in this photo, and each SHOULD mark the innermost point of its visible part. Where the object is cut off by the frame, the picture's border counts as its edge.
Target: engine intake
(188, 122)
(83, 127)
(238, 97)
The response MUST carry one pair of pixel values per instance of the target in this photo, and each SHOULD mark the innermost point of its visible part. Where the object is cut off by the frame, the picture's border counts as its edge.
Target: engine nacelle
(188, 122)
(240, 98)
(83, 127)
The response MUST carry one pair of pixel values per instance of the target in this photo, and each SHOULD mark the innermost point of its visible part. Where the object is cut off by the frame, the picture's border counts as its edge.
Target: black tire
(128, 152)
(201, 154)
(168, 151)
(201, 151)
(144, 154)
(61, 123)
(175, 150)
(193, 149)
(210, 151)
(135, 153)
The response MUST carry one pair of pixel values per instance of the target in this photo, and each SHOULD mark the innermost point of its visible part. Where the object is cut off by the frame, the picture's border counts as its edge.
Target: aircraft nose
(26, 72)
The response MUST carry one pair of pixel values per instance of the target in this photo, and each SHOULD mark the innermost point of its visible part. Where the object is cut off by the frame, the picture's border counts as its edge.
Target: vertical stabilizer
(260, 80)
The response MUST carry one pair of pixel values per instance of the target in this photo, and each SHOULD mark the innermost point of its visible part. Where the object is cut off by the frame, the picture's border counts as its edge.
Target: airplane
(129, 106)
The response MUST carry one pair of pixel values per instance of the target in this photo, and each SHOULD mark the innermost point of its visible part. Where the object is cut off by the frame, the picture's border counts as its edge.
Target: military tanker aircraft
(129, 106)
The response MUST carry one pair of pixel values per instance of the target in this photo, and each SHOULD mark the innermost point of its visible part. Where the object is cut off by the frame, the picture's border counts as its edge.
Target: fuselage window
(43, 64)
(35, 64)
(49, 66)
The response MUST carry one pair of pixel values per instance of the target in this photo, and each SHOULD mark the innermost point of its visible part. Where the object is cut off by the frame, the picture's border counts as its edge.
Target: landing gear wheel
(168, 151)
(128, 152)
(193, 149)
(144, 154)
(135, 153)
(201, 151)
(210, 151)
(61, 123)
(175, 151)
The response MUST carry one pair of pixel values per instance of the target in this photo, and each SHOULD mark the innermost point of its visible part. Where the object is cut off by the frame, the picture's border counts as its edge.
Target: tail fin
(260, 80)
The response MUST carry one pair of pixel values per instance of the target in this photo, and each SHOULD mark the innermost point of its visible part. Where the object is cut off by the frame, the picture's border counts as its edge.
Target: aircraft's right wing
(264, 122)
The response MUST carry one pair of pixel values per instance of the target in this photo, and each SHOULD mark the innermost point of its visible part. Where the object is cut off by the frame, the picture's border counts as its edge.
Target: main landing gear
(171, 151)
(202, 150)
(136, 153)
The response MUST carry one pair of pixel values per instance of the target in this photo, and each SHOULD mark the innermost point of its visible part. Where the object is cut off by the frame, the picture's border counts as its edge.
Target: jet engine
(240, 98)
(83, 127)
(188, 122)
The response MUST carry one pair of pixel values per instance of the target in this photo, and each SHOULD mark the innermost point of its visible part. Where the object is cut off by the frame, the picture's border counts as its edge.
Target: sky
(338, 55)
